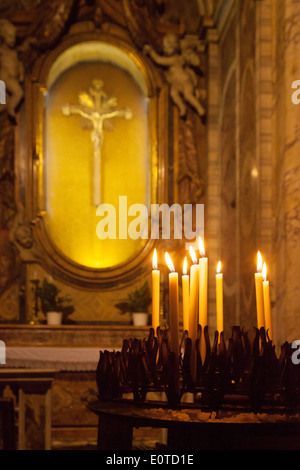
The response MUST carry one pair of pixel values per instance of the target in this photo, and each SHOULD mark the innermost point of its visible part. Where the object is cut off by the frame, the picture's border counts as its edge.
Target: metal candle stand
(245, 376)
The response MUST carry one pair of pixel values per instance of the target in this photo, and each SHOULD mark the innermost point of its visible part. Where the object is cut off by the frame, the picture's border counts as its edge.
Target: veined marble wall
(228, 190)
(286, 168)
(239, 161)
(221, 209)
(255, 188)
(238, 166)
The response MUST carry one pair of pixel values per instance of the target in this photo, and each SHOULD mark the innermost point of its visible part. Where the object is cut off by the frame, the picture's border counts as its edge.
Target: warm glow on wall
(70, 213)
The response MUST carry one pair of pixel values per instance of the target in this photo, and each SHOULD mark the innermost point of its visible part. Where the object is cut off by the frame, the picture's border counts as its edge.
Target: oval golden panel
(69, 172)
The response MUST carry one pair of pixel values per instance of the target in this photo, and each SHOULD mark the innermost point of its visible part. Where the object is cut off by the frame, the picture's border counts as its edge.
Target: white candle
(259, 293)
(219, 299)
(267, 303)
(202, 285)
(194, 304)
(174, 321)
(173, 307)
(155, 292)
(203, 262)
(185, 296)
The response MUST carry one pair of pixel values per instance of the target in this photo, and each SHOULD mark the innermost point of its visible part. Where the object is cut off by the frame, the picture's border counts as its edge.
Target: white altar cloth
(65, 359)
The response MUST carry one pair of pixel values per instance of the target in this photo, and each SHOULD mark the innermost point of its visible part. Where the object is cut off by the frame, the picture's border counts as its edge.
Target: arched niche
(132, 159)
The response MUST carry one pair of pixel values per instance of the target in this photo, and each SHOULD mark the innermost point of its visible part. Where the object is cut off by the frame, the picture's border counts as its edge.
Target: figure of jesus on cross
(96, 107)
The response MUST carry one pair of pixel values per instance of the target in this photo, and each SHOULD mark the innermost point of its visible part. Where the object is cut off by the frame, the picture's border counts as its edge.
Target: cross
(96, 107)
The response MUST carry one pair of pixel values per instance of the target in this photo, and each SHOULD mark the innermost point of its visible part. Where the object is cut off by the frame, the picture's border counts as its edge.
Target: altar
(63, 358)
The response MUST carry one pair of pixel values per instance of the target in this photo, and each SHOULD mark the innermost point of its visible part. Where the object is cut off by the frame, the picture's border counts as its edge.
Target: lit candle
(219, 299)
(202, 297)
(173, 307)
(155, 292)
(202, 285)
(185, 296)
(259, 293)
(174, 321)
(194, 303)
(267, 303)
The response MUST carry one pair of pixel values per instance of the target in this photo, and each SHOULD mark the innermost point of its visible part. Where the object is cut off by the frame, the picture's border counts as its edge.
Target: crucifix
(97, 108)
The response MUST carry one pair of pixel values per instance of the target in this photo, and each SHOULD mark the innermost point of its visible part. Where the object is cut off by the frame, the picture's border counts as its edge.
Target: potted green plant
(137, 305)
(55, 307)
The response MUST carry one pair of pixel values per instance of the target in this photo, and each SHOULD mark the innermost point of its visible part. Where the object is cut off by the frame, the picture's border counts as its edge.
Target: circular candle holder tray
(247, 375)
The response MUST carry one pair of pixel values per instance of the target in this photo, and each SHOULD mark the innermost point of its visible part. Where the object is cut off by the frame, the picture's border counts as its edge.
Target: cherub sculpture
(180, 56)
(11, 68)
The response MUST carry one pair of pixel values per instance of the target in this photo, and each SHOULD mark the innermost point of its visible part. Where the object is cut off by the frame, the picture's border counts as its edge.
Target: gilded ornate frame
(51, 258)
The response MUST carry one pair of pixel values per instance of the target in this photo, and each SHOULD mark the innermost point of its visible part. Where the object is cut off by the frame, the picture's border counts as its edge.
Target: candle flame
(169, 262)
(193, 255)
(154, 260)
(264, 271)
(219, 267)
(184, 271)
(201, 247)
(259, 262)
